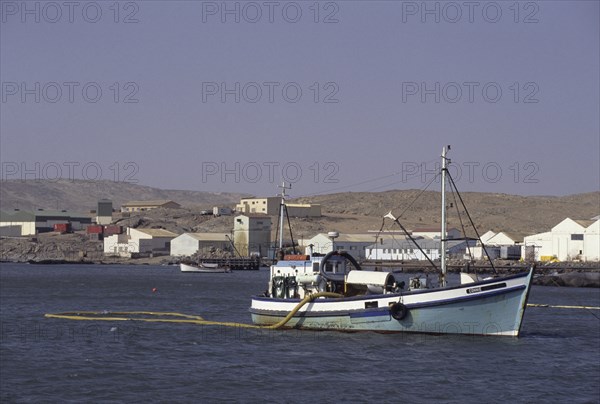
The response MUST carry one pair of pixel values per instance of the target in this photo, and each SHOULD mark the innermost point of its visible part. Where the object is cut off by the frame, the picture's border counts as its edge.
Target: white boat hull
(491, 307)
(201, 269)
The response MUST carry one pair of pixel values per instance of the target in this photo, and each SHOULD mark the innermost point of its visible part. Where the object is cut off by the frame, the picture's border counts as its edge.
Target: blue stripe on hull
(495, 313)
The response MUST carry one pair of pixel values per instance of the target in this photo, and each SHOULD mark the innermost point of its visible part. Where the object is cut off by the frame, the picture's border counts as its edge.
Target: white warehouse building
(354, 243)
(188, 244)
(139, 241)
(568, 240)
(406, 250)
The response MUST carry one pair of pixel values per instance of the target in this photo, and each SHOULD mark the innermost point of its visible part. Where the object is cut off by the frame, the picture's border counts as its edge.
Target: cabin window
(576, 236)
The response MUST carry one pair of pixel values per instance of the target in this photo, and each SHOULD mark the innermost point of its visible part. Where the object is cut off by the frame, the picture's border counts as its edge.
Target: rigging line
(464, 231)
(290, 226)
(349, 186)
(417, 244)
(276, 235)
(404, 211)
(419, 194)
(394, 183)
(377, 236)
(330, 190)
(383, 186)
(453, 184)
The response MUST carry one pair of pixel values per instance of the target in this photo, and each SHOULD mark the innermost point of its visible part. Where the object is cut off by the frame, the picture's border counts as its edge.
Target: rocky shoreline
(76, 248)
(565, 275)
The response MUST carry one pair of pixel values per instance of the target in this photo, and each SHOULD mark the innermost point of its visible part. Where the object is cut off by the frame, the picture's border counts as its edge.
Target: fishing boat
(332, 292)
(203, 268)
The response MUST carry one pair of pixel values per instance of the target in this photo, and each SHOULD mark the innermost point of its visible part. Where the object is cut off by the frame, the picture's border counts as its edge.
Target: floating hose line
(169, 317)
(563, 307)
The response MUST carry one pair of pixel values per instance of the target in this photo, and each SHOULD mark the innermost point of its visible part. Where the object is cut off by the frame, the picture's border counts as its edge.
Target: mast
(281, 213)
(443, 230)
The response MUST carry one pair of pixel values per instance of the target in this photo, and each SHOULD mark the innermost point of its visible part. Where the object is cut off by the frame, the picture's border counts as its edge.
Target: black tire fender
(398, 311)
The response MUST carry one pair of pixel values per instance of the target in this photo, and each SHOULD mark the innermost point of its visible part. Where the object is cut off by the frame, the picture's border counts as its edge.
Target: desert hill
(82, 196)
(490, 211)
(344, 212)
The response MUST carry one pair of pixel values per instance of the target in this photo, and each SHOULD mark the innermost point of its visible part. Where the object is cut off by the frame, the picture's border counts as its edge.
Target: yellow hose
(307, 299)
(563, 307)
(180, 318)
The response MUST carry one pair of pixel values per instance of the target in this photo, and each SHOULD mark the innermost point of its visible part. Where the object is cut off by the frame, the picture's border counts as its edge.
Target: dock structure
(235, 264)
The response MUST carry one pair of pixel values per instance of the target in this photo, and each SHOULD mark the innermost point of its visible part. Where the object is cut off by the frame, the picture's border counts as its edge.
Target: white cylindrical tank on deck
(308, 279)
(368, 278)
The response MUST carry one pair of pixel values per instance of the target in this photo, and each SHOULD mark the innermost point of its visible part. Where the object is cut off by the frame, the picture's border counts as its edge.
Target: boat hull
(493, 307)
(200, 269)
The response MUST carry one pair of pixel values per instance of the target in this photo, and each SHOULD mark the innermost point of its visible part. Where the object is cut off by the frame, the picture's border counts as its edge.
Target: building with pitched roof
(571, 239)
(188, 244)
(252, 234)
(27, 223)
(406, 250)
(140, 206)
(139, 241)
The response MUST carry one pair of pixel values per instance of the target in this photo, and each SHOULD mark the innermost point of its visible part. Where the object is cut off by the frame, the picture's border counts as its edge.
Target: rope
(402, 213)
(179, 317)
(582, 307)
(453, 185)
(193, 319)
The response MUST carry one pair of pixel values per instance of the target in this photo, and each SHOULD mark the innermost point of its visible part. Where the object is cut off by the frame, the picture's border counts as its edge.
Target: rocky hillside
(82, 196)
(497, 212)
(345, 212)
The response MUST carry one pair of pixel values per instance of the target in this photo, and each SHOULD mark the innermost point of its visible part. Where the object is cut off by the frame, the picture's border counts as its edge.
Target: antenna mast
(443, 229)
(281, 213)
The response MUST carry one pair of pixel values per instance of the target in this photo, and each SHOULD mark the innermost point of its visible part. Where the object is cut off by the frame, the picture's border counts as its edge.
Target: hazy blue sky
(335, 96)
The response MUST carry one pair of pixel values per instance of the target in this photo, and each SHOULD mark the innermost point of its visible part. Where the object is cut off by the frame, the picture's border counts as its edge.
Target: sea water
(556, 359)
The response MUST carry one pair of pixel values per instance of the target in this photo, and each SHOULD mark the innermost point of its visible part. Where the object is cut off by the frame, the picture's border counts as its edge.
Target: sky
(329, 96)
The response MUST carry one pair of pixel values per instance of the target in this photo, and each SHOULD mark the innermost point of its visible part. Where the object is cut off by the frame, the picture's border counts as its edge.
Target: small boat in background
(203, 268)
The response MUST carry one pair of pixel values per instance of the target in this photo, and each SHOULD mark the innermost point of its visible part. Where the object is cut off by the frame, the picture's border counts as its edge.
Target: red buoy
(154, 290)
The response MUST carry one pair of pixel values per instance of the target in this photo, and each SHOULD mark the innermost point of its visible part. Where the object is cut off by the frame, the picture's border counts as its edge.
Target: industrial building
(270, 206)
(17, 222)
(406, 250)
(434, 232)
(355, 243)
(140, 206)
(498, 245)
(252, 234)
(303, 209)
(188, 244)
(567, 241)
(139, 241)
(104, 212)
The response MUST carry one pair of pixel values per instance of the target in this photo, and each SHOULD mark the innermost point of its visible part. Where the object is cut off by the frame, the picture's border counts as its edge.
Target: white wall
(542, 244)
(591, 242)
(27, 228)
(121, 245)
(501, 239)
(399, 254)
(184, 245)
(146, 242)
(564, 247)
